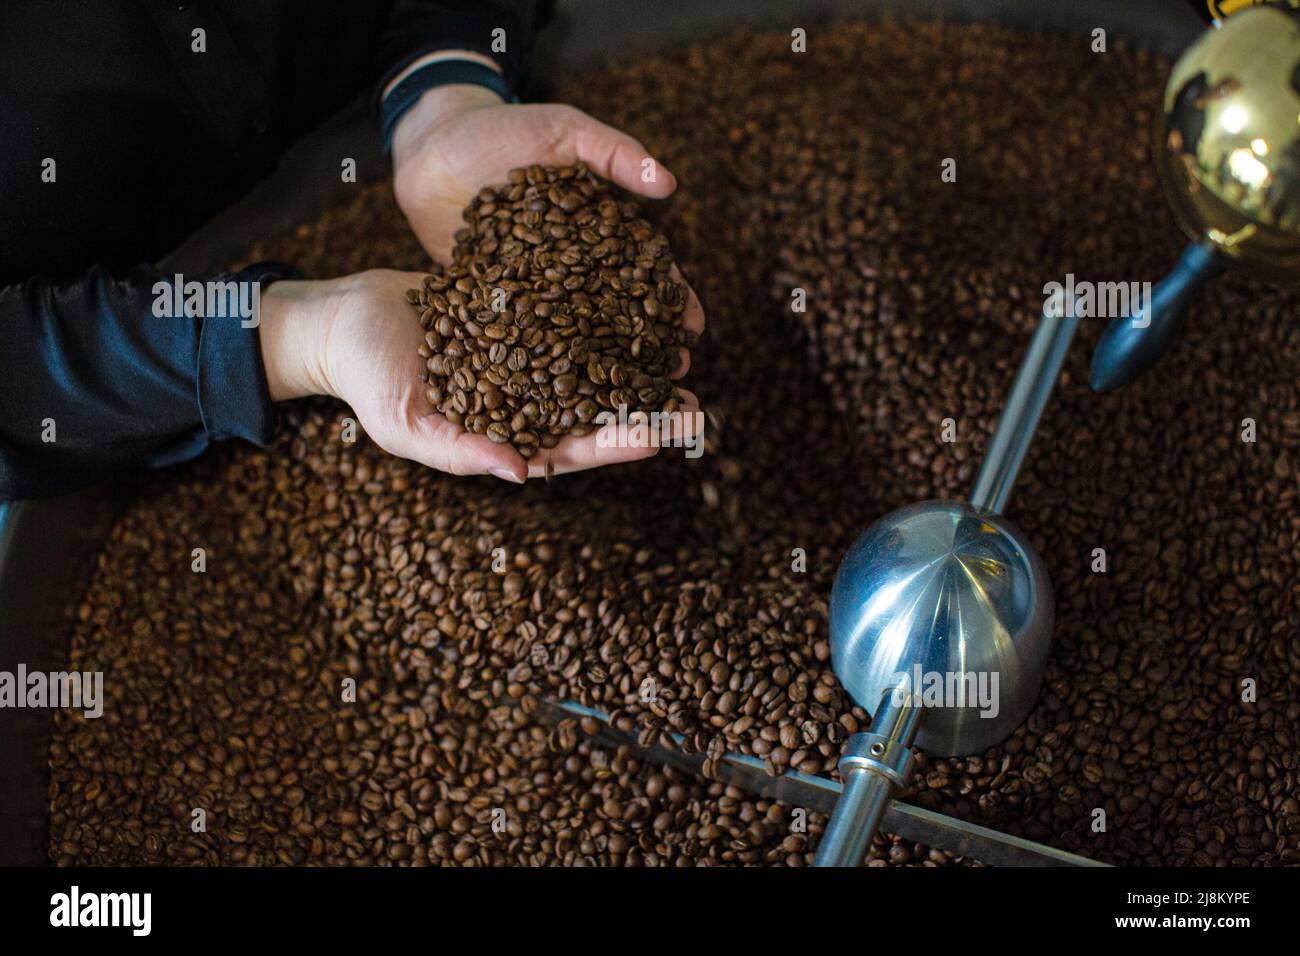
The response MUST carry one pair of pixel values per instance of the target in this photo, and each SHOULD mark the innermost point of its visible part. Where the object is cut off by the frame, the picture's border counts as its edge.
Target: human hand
(460, 138)
(358, 339)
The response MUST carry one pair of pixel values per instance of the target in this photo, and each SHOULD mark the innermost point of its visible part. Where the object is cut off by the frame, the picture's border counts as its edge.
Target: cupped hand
(358, 339)
(459, 139)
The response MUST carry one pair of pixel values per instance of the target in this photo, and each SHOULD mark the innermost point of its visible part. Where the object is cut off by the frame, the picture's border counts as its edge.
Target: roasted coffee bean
(595, 265)
(672, 580)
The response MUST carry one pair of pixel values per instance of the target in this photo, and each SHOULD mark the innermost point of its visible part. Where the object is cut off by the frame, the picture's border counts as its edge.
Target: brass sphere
(1228, 143)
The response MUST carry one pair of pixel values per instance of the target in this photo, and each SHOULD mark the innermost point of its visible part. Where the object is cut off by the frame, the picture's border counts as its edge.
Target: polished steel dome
(952, 600)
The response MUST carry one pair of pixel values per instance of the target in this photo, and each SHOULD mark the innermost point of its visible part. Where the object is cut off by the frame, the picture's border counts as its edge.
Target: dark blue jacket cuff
(234, 401)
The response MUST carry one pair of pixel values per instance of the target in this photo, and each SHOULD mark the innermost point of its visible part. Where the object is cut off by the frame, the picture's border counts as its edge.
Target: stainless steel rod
(1033, 386)
(855, 820)
(868, 789)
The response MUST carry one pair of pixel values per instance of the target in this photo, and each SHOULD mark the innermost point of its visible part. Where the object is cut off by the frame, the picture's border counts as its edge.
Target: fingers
(576, 453)
(437, 443)
(688, 427)
(692, 320)
(612, 444)
(616, 156)
(690, 401)
(693, 315)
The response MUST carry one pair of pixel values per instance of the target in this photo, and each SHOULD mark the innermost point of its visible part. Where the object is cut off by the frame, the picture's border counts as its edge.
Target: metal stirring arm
(873, 765)
(1029, 394)
(819, 793)
(878, 762)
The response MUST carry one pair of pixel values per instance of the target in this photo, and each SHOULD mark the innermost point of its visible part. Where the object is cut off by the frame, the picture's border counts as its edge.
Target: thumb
(616, 156)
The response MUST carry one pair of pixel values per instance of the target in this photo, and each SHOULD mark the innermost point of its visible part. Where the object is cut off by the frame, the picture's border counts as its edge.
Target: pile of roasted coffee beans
(559, 304)
(689, 596)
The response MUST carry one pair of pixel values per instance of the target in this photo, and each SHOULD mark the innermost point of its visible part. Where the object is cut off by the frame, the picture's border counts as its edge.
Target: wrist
(293, 332)
(435, 106)
(468, 56)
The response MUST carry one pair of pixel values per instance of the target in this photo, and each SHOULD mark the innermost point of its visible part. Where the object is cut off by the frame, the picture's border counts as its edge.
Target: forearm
(101, 374)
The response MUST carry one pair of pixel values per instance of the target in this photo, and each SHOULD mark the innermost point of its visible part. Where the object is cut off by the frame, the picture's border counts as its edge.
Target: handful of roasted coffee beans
(560, 304)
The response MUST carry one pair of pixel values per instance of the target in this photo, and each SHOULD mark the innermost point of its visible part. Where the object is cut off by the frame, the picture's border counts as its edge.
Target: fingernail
(505, 475)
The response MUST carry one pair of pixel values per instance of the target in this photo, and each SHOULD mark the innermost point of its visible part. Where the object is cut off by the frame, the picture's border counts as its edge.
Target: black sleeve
(417, 27)
(98, 375)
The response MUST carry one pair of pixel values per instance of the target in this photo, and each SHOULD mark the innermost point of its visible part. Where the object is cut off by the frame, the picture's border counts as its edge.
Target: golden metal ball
(1228, 144)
